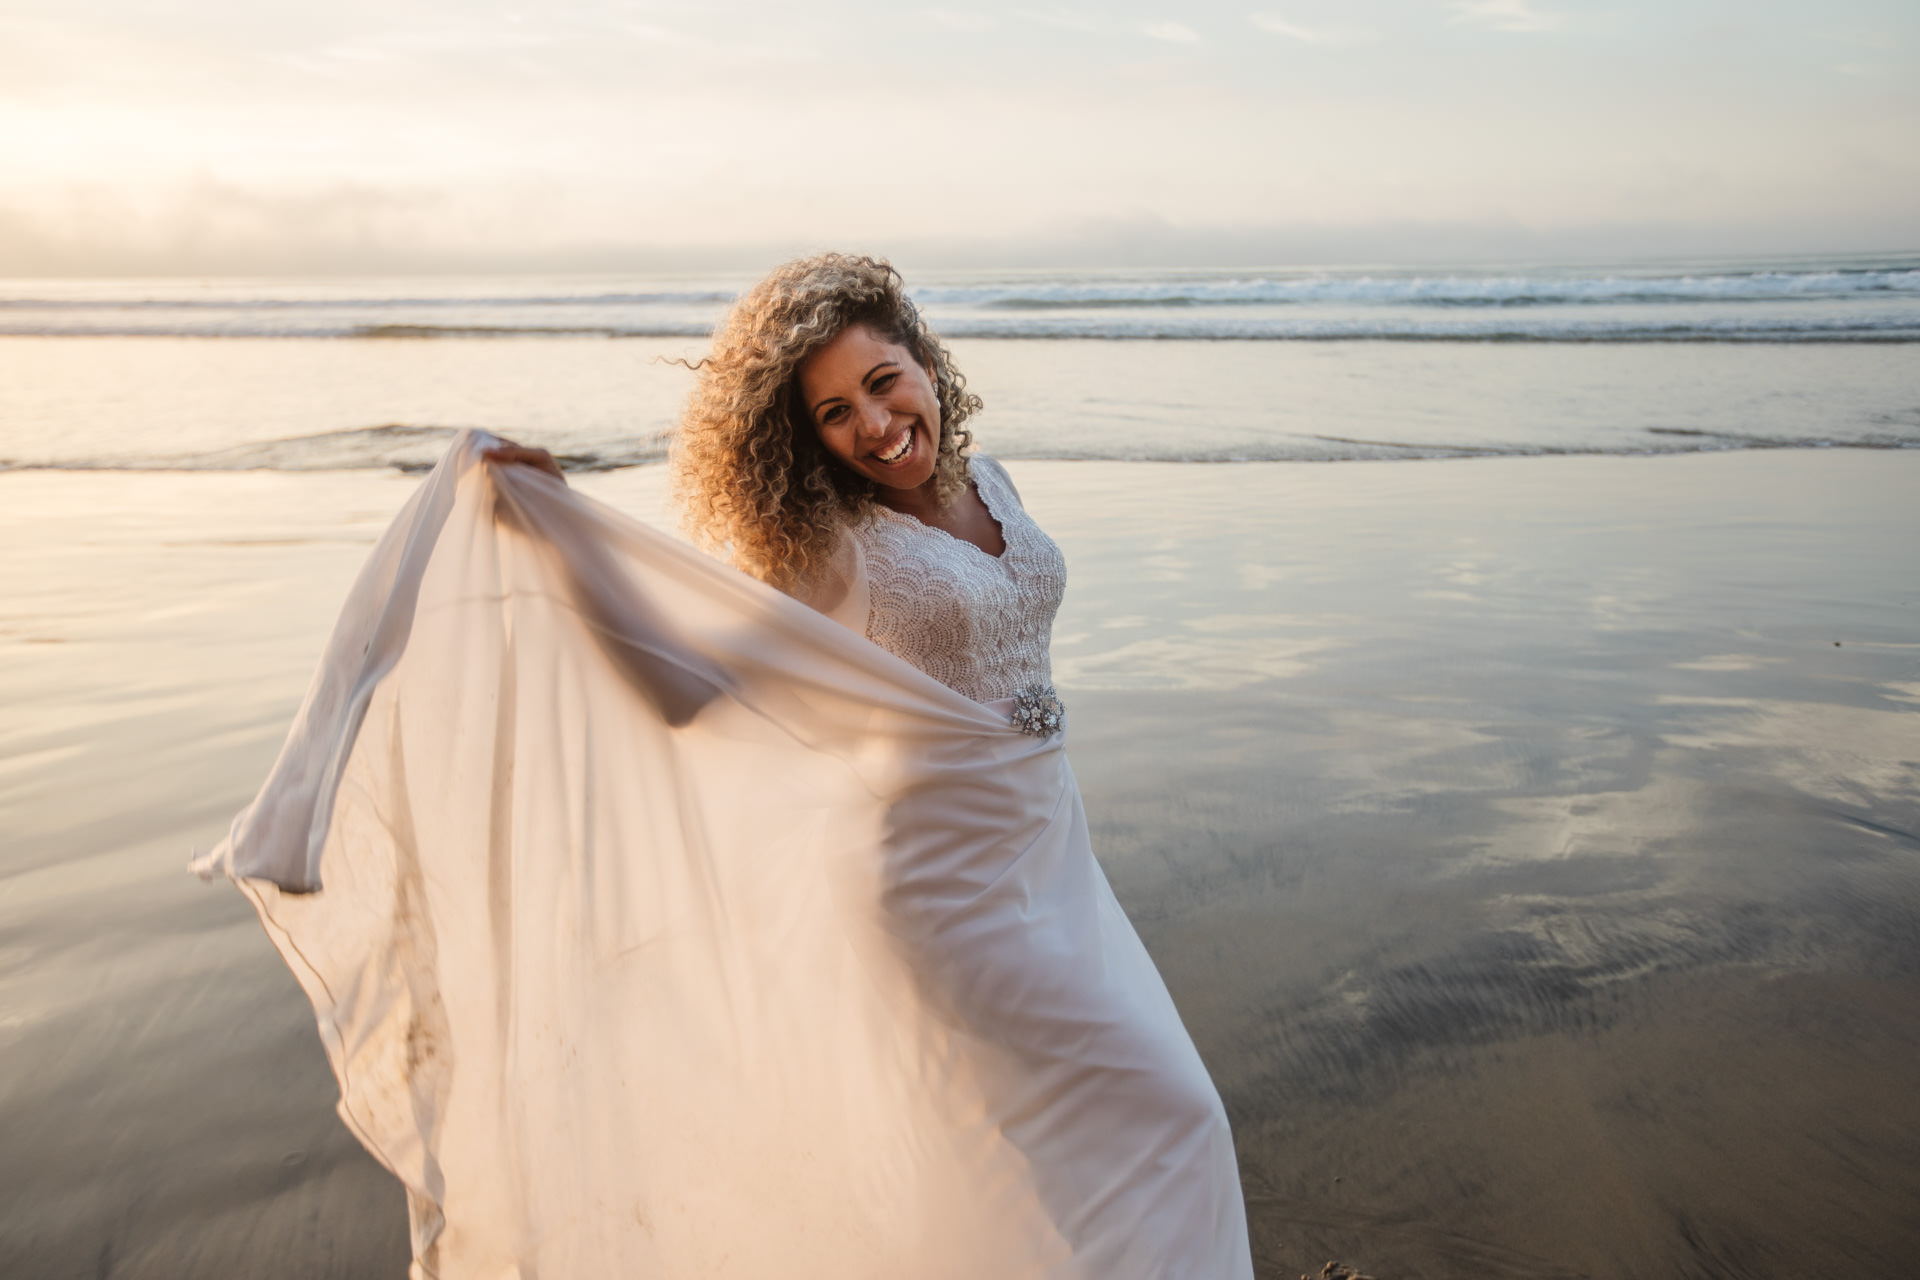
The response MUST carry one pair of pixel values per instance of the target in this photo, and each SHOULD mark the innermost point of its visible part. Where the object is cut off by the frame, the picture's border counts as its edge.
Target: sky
(259, 136)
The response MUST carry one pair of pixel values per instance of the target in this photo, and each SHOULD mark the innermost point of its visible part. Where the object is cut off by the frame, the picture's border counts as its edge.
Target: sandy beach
(1530, 845)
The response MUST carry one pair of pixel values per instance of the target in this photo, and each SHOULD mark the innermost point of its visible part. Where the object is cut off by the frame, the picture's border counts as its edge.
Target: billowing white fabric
(659, 926)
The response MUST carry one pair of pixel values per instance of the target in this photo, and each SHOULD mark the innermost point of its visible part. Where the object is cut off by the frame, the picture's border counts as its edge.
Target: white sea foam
(1495, 290)
(413, 449)
(1830, 301)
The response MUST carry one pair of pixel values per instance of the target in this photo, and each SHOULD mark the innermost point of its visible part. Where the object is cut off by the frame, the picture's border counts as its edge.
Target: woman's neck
(921, 502)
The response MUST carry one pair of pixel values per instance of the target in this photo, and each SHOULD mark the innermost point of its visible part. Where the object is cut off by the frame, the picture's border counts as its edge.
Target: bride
(658, 925)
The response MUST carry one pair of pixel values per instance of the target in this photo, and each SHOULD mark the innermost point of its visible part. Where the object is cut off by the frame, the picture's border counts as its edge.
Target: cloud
(1505, 15)
(1173, 32)
(1278, 26)
(619, 129)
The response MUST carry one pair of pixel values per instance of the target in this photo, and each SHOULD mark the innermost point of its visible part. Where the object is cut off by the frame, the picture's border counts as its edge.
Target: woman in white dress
(670, 929)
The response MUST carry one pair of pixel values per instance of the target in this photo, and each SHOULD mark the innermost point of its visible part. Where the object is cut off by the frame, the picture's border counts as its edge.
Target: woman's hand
(538, 459)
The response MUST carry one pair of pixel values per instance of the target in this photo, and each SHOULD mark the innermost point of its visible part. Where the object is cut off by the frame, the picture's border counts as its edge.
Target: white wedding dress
(661, 926)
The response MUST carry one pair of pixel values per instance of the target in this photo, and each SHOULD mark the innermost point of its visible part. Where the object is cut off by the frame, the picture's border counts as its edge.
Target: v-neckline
(980, 492)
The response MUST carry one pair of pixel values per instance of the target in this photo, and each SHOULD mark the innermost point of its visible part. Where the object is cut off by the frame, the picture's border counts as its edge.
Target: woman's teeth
(899, 451)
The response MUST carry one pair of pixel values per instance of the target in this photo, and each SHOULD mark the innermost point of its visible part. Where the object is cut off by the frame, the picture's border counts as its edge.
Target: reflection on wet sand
(1538, 878)
(1539, 942)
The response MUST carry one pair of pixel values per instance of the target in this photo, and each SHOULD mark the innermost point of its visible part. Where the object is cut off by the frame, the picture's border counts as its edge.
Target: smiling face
(874, 407)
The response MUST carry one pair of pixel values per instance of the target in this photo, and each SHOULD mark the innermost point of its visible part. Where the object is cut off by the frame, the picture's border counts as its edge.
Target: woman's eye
(833, 415)
(882, 383)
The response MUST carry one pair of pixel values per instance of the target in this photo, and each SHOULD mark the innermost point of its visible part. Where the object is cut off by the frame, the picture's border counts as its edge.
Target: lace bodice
(978, 624)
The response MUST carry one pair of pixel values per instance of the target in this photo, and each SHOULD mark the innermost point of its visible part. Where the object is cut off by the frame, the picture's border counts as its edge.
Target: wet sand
(1538, 876)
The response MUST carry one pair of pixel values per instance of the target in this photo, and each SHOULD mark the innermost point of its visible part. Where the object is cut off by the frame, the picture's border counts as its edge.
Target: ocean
(1325, 365)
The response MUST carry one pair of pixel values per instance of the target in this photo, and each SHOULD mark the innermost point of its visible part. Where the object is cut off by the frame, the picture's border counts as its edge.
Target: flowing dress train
(660, 925)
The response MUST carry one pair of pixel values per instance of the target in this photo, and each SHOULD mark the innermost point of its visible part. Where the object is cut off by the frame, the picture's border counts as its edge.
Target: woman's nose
(874, 418)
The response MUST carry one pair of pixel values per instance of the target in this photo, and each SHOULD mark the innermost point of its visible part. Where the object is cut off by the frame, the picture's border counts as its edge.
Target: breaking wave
(396, 446)
(1824, 301)
(411, 449)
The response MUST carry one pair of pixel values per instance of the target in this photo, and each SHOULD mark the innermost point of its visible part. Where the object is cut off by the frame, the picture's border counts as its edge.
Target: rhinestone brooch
(1038, 711)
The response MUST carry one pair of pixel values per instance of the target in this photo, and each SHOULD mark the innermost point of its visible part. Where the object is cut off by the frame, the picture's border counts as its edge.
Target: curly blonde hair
(753, 480)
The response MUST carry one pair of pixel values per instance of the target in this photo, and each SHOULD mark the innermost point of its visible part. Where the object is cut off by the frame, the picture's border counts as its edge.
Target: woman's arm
(643, 644)
(840, 590)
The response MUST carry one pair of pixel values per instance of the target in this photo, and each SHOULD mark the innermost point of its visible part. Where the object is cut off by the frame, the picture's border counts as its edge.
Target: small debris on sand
(1337, 1271)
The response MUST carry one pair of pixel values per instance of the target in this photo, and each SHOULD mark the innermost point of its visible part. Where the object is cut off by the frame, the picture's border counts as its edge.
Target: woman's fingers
(539, 459)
